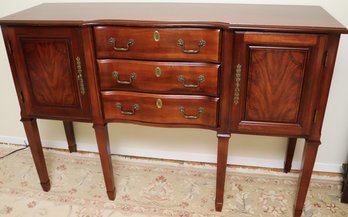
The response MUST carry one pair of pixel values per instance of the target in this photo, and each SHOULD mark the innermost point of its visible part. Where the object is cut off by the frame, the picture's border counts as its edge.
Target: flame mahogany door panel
(275, 82)
(51, 72)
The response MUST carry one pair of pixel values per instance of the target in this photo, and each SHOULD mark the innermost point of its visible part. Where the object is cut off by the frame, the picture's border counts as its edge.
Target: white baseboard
(205, 158)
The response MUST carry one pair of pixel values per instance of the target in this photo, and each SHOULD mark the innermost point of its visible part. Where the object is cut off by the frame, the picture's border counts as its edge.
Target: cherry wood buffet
(252, 69)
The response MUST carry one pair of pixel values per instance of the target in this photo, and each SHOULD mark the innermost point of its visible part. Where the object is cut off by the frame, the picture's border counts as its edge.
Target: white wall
(193, 144)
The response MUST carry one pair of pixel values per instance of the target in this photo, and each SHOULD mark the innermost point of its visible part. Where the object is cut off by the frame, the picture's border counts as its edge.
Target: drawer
(190, 44)
(169, 77)
(162, 109)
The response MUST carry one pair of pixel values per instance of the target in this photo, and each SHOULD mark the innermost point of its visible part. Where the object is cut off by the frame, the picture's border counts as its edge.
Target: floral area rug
(152, 189)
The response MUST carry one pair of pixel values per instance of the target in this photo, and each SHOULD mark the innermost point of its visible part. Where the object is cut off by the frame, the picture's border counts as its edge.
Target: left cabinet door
(50, 70)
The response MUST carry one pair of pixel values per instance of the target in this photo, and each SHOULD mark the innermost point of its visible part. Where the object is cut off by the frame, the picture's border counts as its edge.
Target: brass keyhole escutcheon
(158, 72)
(156, 36)
(159, 103)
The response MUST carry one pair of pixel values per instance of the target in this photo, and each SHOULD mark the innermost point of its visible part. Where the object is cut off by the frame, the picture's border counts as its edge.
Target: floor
(153, 188)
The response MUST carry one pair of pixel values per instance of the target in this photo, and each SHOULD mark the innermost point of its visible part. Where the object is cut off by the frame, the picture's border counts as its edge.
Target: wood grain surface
(50, 71)
(297, 18)
(47, 71)
(166, 48)
(275, 84)
(280, 75)
(167, 81)
(169, 113)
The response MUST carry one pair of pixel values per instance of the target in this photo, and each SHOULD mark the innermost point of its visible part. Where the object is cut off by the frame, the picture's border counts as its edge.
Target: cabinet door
(275, 82)
(51, 72)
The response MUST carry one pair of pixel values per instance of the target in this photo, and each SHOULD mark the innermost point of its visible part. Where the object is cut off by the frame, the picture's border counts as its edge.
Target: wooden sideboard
(251, 69)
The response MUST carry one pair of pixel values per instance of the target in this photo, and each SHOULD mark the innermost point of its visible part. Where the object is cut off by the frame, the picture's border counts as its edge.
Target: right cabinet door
(276, 79)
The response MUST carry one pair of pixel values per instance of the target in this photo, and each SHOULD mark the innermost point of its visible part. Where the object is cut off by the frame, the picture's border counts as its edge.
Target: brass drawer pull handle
(80, 76)
(181, 43)
(135, 108)
(130, 43)
(200, 110)
(132, 77)
(200, 79)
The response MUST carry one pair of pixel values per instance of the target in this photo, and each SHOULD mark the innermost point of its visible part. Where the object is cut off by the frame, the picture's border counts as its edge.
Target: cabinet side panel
(6, 32)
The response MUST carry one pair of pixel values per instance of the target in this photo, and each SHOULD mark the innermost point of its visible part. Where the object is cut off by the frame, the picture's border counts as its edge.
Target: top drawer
(189, 44)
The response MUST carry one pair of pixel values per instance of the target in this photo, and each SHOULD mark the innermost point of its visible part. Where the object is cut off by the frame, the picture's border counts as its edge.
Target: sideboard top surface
(229, 15)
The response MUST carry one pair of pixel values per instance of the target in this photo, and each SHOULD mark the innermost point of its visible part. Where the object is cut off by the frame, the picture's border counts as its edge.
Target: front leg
(221, 169)
(102, 135)
(344, 197)
(308, 160)
(33, 136)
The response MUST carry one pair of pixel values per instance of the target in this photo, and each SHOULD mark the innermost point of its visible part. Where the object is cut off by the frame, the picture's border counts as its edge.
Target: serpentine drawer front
(169, 77)
(249, 69)
(155, 108)
(194, 44)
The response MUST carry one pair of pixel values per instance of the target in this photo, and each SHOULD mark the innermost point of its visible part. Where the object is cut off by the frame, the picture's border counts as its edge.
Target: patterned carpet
(152, 189)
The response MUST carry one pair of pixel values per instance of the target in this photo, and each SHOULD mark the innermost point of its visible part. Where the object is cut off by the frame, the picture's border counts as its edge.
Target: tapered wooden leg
(221, 169)
(344, 197)
(33, 137)
(70, 136)
(308, 160)
(101, 132)
(290, 154)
